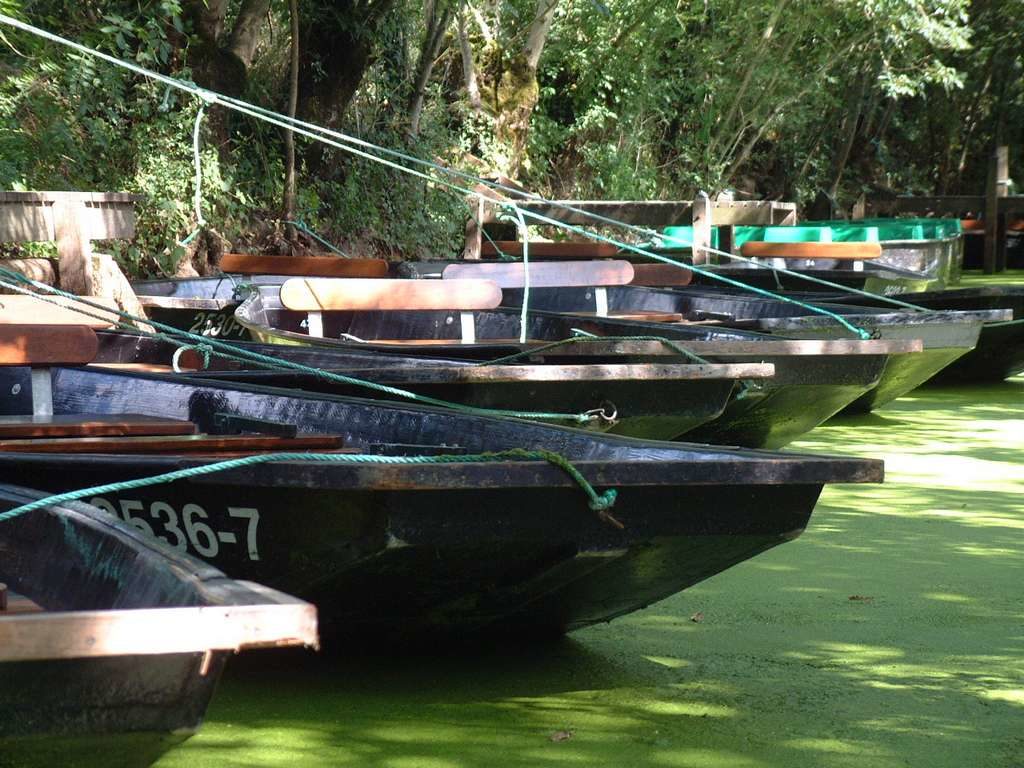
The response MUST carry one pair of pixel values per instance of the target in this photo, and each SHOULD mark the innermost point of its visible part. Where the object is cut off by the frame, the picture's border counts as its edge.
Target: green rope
(524, 235)
(209, 345)
(318, 134)
(583, 336)
(599, 503)
(190, 237)
(300, 224)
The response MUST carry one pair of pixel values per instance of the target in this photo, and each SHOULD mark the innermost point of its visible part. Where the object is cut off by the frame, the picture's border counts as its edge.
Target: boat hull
(387, 549)
(106, 656)
(118, 712)
(999, 352)
(779, 400)
(946, 336)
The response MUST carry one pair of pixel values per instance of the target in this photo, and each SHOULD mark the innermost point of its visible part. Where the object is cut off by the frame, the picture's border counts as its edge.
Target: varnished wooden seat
(56, 310)
(660, 275)
(303, 266)
(756, 249)
(569, 250)
(548, 274)
(315, 295)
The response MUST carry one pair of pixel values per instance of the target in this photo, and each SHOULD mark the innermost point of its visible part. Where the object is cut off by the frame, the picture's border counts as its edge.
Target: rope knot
(203, 349)
(209, 97)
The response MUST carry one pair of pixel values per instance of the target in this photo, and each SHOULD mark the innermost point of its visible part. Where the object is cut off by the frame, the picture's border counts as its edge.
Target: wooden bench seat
(575, 249)
(303, 266)
(28, 310)
(660, 275)
(549, 274)
(314, 295)
(360, 294)
(756, 249)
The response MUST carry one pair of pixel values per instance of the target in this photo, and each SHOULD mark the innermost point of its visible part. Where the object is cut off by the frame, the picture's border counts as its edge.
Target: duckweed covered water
(890, 634)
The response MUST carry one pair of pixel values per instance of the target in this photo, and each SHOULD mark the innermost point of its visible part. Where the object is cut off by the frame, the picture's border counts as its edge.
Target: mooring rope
(599, 503)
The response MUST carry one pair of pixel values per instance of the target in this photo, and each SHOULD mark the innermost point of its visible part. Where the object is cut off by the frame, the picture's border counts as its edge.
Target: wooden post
(995, 226)
(72, 245)
(726, 238)
(859, 208)
(701, 228)
(474, 230)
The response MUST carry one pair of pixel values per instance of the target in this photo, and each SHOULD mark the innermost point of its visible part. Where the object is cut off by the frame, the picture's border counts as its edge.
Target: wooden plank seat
(303, 266)
(314, 295)
(176, 444)
(46, 344)
(573, 249)
(358, 294)
(74, 426)
(660, 275)
(548, 274)
(756, 249)
(55, 310)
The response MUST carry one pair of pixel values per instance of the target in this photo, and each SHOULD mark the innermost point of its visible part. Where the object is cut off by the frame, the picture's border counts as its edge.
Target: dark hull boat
(769, 413)
(876, 278)
(112, 644)
(656, 400)
(946, 336)
(506, 545)
(999, 353)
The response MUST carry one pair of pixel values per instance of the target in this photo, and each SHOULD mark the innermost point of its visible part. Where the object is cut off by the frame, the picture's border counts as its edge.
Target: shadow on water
(890, 634)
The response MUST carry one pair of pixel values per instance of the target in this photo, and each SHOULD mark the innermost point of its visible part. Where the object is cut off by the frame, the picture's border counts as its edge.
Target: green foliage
(636, 100)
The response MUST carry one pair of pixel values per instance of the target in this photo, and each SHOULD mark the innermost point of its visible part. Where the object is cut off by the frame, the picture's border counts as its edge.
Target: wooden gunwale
(155, 631)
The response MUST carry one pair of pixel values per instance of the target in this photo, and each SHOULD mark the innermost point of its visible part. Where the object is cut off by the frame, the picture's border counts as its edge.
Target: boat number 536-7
(187, 528)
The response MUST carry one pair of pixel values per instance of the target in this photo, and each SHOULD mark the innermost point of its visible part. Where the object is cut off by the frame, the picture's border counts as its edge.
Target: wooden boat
(813, 380)
(653, 400)
(111, 643)
(840, 376)
(946, 335)
(875, 278)
(999, 353)
(507, 545)
(895, 255)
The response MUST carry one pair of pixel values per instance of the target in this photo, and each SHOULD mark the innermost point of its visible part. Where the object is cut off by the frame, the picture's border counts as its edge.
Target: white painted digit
(253, 516)
(197, 322)
(170, 524)
(198, 530)
(100, 503)
(128, 506)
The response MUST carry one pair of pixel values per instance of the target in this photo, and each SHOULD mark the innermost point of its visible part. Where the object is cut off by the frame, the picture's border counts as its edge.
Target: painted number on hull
(216, 324)
(187, 528)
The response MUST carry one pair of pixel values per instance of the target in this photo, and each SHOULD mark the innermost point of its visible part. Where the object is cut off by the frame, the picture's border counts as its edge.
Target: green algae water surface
(890, 634)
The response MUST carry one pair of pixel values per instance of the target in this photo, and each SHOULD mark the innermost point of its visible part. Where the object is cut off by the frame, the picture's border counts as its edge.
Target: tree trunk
(339, 44)
(289, 136)
(437, 24)
(849, 126)
(245, 33)
(518, 92)
(468, 66)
